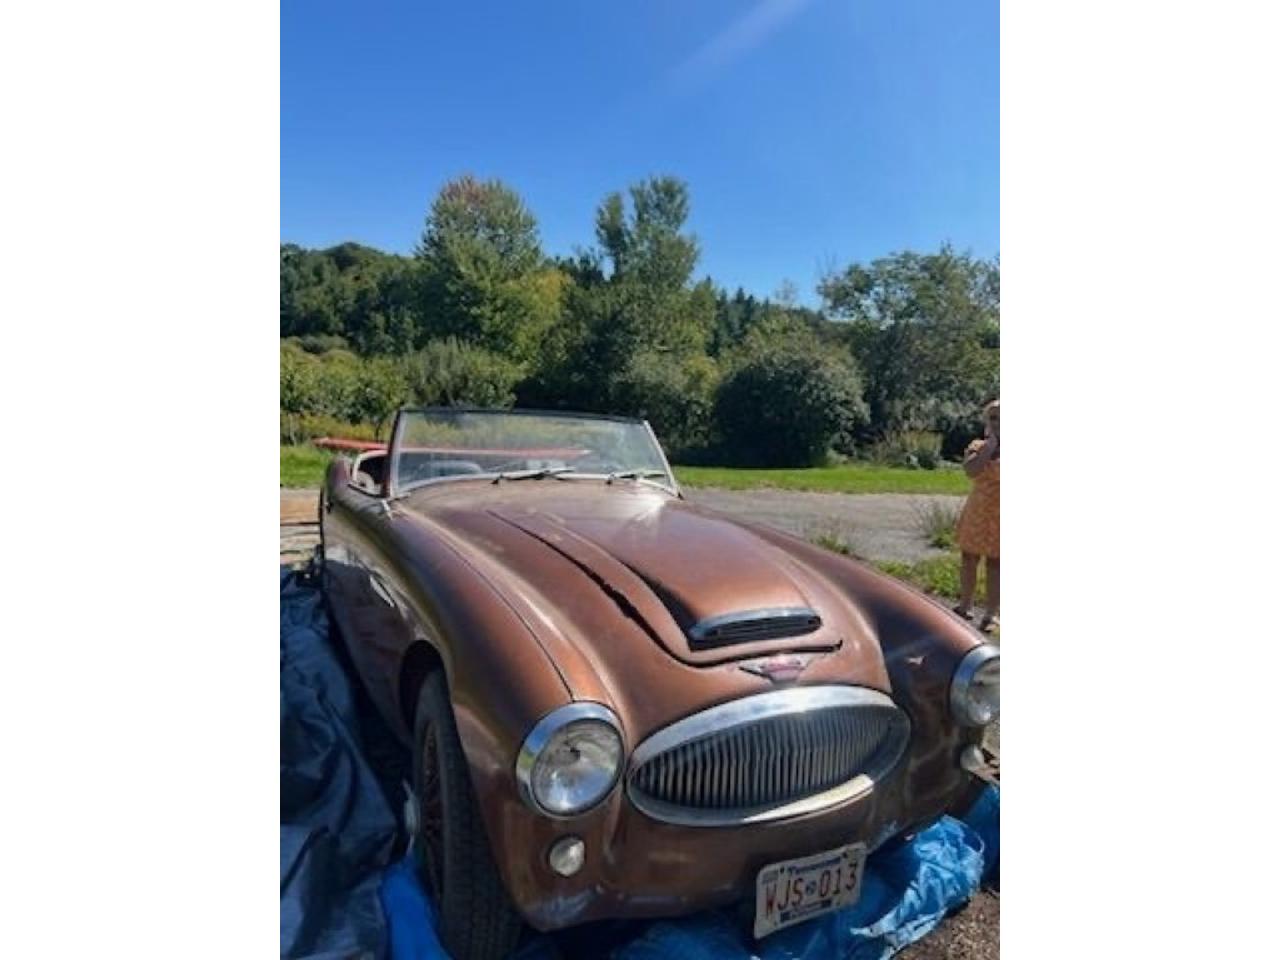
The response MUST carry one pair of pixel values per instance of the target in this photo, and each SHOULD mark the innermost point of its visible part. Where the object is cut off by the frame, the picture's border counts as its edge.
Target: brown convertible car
(624, 705)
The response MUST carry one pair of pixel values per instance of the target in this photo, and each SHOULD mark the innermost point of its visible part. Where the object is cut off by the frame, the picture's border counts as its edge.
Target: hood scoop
(679, 597)
(748, 626)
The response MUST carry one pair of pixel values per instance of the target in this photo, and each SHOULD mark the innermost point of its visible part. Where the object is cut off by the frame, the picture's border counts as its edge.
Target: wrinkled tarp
(337, 830)
(341, 894)
(907, 890)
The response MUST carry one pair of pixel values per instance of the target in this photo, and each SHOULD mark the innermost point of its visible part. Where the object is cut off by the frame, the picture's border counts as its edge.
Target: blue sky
(811, 132)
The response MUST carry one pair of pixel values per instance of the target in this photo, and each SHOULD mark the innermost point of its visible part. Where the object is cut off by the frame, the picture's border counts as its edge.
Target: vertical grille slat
(773, 761)
(682, 778)
(706, 771)
(761, 754)
(784, 758)
(824, 753)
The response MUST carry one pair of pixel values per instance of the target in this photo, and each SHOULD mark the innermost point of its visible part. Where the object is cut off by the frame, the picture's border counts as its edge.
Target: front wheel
(477, 919)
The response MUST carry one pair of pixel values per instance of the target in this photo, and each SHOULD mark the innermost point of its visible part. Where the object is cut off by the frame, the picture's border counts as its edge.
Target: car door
(358, 547)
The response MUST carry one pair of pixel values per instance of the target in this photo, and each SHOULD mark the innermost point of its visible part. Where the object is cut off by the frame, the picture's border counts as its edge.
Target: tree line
(906, 346)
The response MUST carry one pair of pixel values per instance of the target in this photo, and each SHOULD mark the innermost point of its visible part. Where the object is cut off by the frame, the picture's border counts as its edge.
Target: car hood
(566, 550)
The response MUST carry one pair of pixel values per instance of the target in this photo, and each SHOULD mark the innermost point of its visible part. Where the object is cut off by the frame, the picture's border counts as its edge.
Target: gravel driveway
(878, 526)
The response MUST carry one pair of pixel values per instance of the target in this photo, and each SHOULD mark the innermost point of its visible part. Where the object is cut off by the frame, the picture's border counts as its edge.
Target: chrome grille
(774, 755)
(747, 625)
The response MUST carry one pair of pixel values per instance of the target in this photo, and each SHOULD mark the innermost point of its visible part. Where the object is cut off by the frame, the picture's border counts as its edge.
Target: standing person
(978, 530)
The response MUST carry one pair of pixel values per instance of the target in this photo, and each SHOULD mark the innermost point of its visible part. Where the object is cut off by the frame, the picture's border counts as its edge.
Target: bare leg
(968, 581)
(993, 588)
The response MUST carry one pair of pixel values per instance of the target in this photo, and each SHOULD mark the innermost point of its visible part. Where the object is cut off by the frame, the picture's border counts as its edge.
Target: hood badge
(779, 668)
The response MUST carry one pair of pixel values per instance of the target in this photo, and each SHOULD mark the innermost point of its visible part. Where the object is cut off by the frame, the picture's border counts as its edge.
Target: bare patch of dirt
(299, 506)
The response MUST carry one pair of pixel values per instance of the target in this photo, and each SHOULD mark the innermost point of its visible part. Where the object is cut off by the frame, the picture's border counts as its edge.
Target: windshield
(435, 444)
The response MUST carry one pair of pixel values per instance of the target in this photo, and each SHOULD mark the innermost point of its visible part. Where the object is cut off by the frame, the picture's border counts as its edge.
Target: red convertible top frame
(369, 446)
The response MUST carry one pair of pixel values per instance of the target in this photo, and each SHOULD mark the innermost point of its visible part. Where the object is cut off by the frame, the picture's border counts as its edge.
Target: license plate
(795, 890)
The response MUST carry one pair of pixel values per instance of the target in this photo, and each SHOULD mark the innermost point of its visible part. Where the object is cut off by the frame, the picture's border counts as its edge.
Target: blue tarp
(344, 891)
(907, 890)
(337, 830)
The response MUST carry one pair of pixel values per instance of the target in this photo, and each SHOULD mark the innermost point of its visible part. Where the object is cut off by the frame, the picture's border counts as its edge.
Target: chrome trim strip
(402, 492)
(542, 732)
(978, 657)
(700, 629)
(741, 713)
(666, 465)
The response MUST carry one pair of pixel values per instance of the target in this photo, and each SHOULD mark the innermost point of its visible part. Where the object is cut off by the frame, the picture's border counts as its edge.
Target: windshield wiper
(634, 475)
(537, 473)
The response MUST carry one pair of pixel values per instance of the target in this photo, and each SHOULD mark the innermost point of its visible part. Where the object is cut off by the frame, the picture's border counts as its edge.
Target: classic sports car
(624, 705)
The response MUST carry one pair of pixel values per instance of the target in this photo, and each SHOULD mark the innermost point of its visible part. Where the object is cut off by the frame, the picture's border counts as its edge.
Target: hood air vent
(747, 626)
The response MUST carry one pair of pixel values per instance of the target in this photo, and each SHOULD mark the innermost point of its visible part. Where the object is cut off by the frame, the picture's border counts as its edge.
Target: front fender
(923, 643)
(501, 681)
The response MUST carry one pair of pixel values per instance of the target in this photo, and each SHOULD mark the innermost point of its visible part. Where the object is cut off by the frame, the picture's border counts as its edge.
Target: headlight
(571, 759)
(975, 687)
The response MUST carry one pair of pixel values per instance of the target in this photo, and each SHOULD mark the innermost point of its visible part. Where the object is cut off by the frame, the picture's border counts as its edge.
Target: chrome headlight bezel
(549, 730)
(981, 660)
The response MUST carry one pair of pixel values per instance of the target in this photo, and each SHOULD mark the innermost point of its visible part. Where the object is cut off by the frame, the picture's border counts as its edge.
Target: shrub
(303, 428)
(297, 381)
(333, 384)
(909, 448)
(833, 536)
(378, 388)
(936, 521)
(340, 385)
(449, 373)
(676, 397)
(320, 343)
(785, 406)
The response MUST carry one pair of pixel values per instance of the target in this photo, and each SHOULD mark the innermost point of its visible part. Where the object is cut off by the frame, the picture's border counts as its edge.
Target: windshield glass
(434, 444)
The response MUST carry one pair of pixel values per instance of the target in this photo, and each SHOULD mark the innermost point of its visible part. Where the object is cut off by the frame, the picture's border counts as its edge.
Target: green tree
(647, 244)
(925, 331)
(484, 279)
(633, 297)
(362, 295)
(734, 317)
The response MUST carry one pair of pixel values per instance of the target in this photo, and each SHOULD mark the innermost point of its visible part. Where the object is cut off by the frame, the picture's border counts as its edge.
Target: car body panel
(533, 594)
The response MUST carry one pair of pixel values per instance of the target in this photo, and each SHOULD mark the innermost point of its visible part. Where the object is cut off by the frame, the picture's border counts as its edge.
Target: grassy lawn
(849, 478)
(937, 575)
(303, 466)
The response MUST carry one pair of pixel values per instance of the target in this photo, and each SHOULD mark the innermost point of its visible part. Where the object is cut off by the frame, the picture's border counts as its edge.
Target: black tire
(477, 919)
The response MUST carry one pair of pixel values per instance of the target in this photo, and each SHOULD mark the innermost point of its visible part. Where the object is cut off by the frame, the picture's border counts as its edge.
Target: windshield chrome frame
(394, 491)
